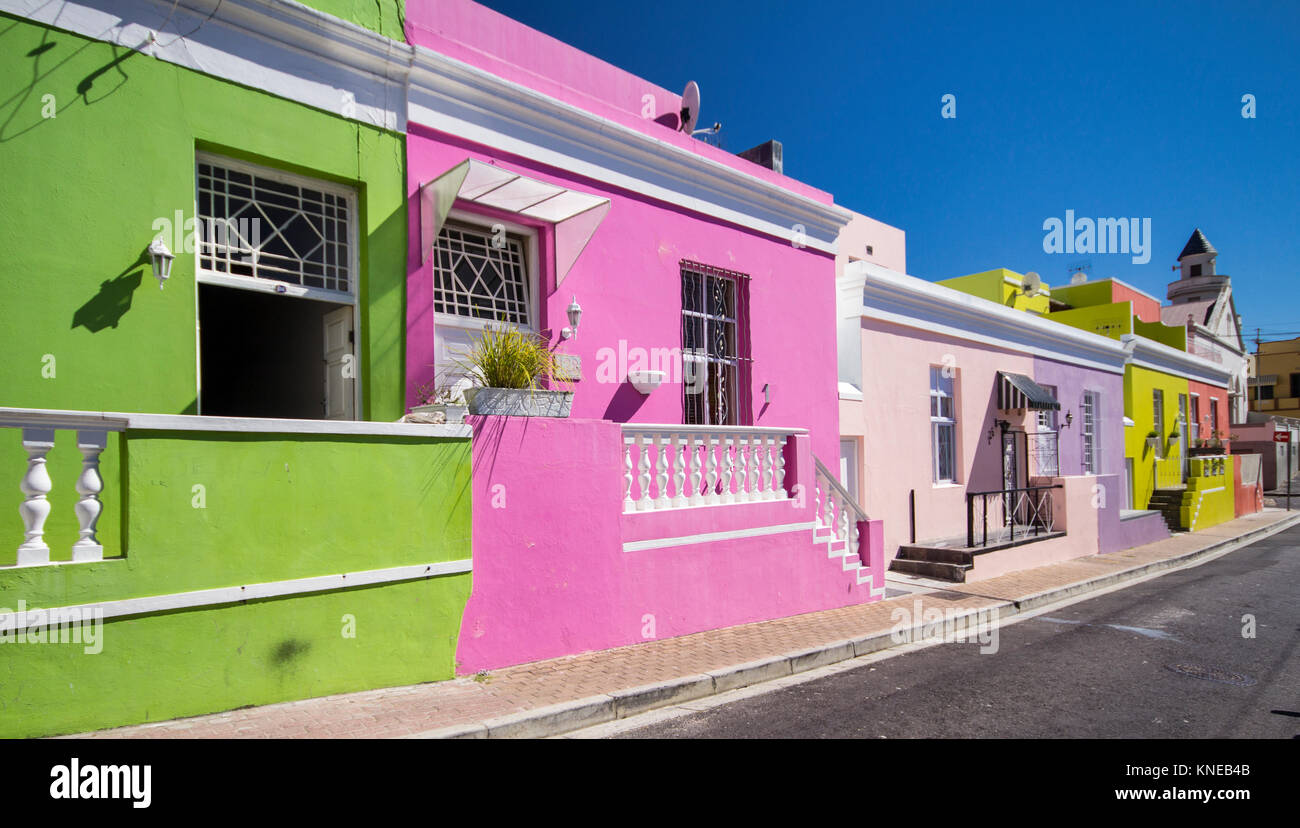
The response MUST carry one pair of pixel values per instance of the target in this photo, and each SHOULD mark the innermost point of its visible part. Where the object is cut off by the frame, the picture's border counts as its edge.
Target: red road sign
(1281, 436)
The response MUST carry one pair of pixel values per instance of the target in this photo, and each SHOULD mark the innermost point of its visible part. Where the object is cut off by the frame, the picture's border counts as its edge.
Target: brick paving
(405, 711)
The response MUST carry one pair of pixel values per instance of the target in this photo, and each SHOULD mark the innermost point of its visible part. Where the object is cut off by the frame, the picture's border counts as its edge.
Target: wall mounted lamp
(575, 316)
(767, 393)
(162, 259)
(1002, 424)
(1069, 418)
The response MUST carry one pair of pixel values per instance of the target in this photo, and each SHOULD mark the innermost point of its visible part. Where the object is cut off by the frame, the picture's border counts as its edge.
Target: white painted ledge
(117, 421)
(41, 616)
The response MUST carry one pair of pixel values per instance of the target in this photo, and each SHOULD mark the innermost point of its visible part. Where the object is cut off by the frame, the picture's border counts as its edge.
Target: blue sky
(1109, 109)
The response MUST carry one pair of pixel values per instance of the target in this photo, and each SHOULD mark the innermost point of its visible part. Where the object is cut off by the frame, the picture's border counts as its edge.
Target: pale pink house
(985, 438)
(540, 178)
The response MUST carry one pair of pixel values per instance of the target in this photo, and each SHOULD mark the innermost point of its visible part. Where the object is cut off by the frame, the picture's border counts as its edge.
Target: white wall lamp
(162, 259)
(767, 394)
(575, 316)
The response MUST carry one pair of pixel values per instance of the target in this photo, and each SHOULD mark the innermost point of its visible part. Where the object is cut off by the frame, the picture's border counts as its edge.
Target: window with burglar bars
(943, 426)
(479, 274)
(715, 330)
(261, 224)
(1090, 453)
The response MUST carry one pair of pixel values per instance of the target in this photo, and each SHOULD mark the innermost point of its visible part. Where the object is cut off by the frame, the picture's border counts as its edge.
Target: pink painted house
(688, 489)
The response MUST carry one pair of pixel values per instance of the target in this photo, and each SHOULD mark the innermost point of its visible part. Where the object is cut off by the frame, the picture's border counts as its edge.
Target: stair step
(932, 569)
(935, 554)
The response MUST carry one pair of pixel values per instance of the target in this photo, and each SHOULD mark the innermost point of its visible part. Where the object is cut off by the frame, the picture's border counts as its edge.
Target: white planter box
(515, 402)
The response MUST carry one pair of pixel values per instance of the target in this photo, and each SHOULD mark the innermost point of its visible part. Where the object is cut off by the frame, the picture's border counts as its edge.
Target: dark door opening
(263, 355)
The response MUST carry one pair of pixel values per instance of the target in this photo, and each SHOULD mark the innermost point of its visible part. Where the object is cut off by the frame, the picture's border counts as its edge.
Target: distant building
(1201, 299)
(1275, 384)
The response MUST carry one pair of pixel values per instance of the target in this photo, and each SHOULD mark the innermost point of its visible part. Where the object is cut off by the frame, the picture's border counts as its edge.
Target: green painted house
(205, 469)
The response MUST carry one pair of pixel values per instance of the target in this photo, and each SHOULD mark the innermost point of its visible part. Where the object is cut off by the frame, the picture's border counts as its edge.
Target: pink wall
(488, 40)
(1207, 393)
(1074, 512)
(628, 283)
(1144, 307)
(550, 574)
(888, 244)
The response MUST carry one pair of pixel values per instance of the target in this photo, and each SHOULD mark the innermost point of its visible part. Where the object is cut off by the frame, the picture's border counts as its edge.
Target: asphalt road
(1098, 668)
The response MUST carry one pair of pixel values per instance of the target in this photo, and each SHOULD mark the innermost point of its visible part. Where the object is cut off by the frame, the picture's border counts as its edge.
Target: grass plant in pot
(514, 373)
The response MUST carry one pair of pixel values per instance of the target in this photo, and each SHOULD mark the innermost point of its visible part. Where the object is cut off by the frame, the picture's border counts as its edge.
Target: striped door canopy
(1019, 391)
(575, 215)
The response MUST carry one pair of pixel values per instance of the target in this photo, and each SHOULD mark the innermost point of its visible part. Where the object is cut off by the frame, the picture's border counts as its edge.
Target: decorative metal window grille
(1090, 408)
(943, 426)
(715, 330)
(481, 275)
(264, 226)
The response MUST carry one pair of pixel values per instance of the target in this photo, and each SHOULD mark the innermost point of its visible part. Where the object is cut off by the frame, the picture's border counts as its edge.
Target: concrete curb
(568, 716)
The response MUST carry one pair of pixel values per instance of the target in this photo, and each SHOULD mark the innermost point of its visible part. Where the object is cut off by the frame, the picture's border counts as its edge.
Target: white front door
(340, 366)
(849, 468)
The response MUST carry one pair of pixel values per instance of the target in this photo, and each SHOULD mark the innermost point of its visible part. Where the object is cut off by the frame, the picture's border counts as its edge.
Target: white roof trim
(906, 300)
(1148, 353)
(119, 421)
(278, 46)
(301, 54)
(475, 105)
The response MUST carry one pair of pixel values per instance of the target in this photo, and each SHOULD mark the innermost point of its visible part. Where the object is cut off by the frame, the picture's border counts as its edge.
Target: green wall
(91, 182)
(992, 285)
(1113, 319)
(383, 16)
(275, 507)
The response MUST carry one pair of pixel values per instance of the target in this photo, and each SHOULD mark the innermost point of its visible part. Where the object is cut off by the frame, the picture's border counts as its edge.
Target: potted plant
(441, 403)
(508, 368)
(1152, 438)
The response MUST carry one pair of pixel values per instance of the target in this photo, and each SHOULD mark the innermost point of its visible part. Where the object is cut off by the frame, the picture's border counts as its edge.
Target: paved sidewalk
(549, 697)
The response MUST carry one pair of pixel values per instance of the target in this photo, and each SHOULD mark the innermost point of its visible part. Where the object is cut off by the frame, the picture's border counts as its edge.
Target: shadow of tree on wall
(85, 88)
(106, 308)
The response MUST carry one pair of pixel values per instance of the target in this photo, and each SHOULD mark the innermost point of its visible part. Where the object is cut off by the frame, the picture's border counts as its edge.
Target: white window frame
(263, 285)
(266, 285)
(1194, 419)
(941, 388)
(1090, 457)
(531, 262)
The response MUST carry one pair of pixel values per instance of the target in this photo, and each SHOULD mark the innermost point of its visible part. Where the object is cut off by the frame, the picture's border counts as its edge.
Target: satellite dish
(1079, 278)
(1033, 285)
(690, 114)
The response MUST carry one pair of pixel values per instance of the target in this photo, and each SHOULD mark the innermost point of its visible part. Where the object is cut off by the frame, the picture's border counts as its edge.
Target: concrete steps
(1169, 502)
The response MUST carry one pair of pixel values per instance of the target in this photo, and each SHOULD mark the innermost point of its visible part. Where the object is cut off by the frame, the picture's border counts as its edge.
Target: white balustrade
(840, 513)
(37, 430)
(702, 465)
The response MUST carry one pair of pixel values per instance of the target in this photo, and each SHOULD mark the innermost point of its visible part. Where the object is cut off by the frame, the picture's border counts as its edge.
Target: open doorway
(268, 355)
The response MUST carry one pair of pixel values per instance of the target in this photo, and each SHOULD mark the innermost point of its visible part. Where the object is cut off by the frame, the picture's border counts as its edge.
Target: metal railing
(1044, 447)
(1003, 515)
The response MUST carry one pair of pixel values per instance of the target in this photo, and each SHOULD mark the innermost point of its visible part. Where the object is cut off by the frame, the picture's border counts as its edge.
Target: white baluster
(35, 484)
(769, 493)
(89, 485)
(628, 505)
(843, 532)
(728, 466)
(643, 479)
(742, 461)
(711, 496)
(818, 488)
(697, 472)
(759, 474)
(661, 478)
(680, 461)
(831, 497)
(779, 483)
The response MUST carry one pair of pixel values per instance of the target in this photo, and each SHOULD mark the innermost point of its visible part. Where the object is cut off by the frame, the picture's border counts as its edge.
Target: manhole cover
(1212, 674)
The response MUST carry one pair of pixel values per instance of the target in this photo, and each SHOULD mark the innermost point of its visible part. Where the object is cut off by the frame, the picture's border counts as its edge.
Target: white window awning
(575, 215)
